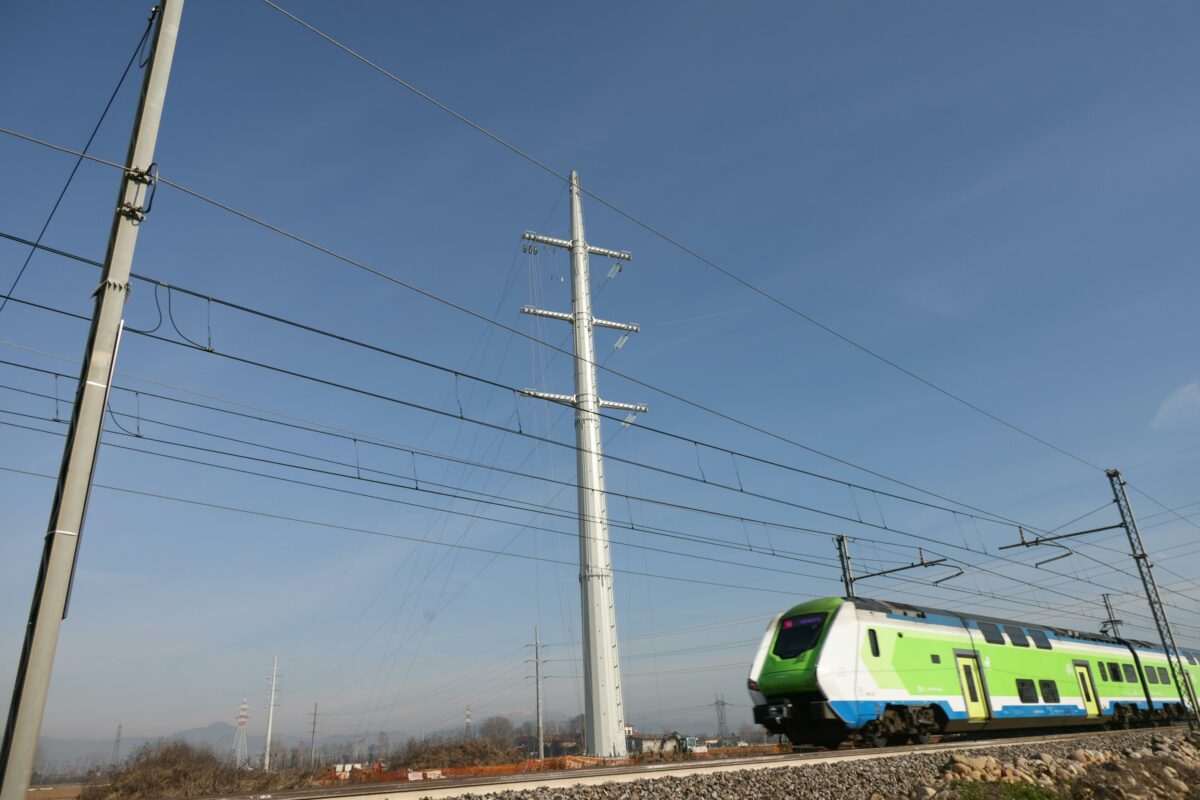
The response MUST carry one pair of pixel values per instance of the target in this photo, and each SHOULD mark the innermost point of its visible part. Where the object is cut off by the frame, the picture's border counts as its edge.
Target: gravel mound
(1133, 765)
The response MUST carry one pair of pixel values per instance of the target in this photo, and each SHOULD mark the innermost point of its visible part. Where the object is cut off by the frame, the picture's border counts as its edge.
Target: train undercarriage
(810, 720)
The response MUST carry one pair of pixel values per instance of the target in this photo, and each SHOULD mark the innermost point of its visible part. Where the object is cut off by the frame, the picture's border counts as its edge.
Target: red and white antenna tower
(241, 755)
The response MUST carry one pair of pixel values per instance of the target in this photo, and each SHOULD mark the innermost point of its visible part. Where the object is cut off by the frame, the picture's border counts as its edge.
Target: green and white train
(880, 673)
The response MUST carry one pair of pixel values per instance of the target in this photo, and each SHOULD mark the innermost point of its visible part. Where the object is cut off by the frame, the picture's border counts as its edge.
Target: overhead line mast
(56, 572)
(604, 718)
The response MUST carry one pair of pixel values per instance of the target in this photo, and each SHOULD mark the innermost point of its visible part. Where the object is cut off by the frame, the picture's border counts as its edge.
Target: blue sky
(1000, 199)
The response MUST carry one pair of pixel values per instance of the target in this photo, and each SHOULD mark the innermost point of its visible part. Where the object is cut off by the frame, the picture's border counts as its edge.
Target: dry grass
(441, 755)
(175, 769)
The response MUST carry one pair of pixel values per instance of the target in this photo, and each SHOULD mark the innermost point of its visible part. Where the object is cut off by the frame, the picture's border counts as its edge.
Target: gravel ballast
(1132, 765)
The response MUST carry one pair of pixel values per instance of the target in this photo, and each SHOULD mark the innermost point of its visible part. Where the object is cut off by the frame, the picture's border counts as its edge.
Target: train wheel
(924, 737)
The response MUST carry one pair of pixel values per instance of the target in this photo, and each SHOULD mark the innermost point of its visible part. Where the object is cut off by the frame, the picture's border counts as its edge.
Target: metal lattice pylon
(241, 754)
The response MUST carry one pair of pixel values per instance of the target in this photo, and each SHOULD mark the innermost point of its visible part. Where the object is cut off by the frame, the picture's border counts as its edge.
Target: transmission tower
(604, 718)
(116, 753)
(468, 732)
(241, 755)
(722, 722)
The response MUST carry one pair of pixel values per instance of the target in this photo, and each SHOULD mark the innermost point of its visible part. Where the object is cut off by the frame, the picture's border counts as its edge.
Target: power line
(894, 530)
(991, 596)
(139, 418)
(457, 373)
(674, 242)
(34, 246)
(383, 534)
(654, 231)
(495, 426)
(463, 309)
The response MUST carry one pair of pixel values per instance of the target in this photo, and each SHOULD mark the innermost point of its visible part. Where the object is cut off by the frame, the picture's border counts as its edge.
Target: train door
(972, 686)
(1087, 690)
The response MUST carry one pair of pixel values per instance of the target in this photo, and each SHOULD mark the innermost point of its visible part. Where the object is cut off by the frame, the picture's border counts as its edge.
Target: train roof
(906, 609)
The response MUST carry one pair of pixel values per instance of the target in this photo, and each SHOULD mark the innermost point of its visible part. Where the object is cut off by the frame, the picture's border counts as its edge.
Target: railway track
(436, 789)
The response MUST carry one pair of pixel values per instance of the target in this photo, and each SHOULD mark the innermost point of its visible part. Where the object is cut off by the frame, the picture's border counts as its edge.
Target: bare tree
(498, 730)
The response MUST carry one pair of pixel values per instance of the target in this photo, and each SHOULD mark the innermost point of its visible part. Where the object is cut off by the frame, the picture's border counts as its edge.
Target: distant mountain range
(88, 752)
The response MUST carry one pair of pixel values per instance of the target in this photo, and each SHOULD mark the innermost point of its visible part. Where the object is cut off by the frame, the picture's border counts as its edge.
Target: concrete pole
(270, 714)
(537, 677)
(604, 726)
(312, 743)
(55, 574)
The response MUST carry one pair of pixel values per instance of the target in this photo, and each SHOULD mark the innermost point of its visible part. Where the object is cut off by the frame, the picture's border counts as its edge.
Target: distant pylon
(116, 753)
(241, 755)
(722, 722)
(468, 733)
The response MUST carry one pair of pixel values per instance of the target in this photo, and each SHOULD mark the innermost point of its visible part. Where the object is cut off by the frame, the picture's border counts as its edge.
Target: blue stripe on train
(858, 713)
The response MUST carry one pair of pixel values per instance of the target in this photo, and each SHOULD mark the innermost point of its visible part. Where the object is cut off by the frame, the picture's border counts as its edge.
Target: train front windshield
(798, 635)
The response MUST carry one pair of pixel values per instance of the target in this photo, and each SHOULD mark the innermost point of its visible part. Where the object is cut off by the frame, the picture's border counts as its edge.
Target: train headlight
(752, 684)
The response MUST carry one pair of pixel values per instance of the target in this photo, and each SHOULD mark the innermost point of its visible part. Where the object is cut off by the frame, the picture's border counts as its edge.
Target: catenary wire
(457, 373)
(376, 395)
(387, 499)
(484, 318)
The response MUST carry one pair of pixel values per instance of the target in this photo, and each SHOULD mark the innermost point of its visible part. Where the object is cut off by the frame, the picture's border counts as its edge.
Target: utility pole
(1112, 625)
(57, 569)
(847, 575)
(537, 680)
(116, 753)
(312, 743)
(271, 714)
(604, 722)
(1187, 692)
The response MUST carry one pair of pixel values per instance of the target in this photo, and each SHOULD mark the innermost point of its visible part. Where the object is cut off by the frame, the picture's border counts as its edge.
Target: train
(876, 673)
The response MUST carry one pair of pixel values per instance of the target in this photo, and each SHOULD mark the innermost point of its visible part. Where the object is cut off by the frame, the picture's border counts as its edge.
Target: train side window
(935, 658)
(1040, 640)
(1151, 675)
(1103, 670)
(1114, 671)
(1017, 636)
(991, 633)
(1049, 691)
(1163, 675)
(1025, 691)
(972, 692)
(1191, 658)
(1130, 673)
(874, 642)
